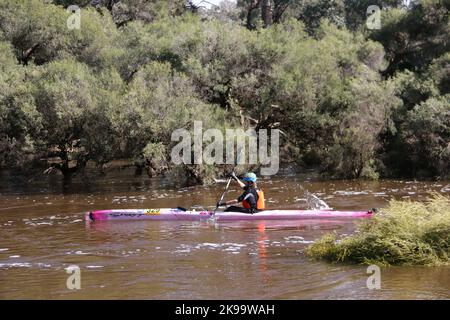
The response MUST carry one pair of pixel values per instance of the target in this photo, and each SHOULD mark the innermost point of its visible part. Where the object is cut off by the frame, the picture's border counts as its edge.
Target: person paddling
(252, 198)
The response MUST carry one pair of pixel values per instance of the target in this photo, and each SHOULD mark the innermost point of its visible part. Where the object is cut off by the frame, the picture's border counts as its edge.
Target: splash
(314, 202)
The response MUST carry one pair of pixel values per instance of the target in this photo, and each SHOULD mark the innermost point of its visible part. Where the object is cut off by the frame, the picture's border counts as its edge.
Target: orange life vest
(260, 204)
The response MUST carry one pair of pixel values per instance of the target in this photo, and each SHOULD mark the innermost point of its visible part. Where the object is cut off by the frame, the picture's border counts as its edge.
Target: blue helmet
(250, 176)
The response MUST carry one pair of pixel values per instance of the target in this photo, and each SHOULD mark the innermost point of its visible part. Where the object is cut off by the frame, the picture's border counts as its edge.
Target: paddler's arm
(241, 184)
(234, 201)
(230, 202)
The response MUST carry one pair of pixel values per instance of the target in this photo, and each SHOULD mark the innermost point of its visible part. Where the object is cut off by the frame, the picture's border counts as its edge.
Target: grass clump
(404, 233)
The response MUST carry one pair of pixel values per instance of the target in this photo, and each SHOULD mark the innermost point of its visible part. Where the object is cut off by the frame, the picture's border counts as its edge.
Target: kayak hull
(182, 215)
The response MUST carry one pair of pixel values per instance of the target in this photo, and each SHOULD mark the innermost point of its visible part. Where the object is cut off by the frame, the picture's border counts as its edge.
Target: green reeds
(404, 233)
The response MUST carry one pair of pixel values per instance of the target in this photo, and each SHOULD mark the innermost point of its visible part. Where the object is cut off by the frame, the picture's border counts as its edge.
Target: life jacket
(260, 202)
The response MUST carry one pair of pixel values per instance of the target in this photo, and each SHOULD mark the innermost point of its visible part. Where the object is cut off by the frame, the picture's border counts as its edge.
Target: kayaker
(252, 198)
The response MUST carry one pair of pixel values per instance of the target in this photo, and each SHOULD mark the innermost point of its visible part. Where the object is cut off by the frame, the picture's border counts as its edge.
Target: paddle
(232, 175)
(223, 195)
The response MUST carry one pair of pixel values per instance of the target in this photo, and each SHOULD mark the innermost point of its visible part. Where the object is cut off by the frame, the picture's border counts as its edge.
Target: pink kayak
(182, 214)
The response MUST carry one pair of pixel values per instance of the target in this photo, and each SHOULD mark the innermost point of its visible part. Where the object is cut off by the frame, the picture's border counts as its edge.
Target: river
(43, 233)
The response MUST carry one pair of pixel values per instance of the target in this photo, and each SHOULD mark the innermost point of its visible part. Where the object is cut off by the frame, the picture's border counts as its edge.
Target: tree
(158, 101)
(413, 38)
(270, 11)
(426, 134)
(125, 11)
(64, 94)
(19, 119)
(38, 33)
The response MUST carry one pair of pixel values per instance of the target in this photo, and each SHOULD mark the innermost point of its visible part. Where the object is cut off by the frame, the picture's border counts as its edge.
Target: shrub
(404, 233)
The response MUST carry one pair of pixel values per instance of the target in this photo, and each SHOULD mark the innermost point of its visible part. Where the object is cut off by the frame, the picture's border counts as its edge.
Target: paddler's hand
(221, 204)
(233, 175)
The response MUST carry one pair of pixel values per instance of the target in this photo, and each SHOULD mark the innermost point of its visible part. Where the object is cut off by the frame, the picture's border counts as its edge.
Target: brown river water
(43, 232)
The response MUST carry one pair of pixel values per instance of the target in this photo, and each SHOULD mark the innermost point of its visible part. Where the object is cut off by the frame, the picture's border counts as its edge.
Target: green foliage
(124, 11)
(405, 233)
(312, 12)
(65, 96)
(156, 151)
(158, 101)
(36, 31)
(439, 73)
(413, 38)
(18, 116)
(426, 132)
(324, 99)
(39, 33)
(419, 144)
(164, 40)
(355, 104)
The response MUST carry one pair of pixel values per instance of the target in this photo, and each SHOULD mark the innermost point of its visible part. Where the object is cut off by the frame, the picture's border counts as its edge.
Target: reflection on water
(43, 232)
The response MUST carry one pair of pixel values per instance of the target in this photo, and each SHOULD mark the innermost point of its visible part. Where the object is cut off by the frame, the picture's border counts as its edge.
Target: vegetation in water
(350, 101)
(404, 233)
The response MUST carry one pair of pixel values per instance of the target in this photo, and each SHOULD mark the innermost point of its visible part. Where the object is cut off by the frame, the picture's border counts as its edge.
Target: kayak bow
(182, 214)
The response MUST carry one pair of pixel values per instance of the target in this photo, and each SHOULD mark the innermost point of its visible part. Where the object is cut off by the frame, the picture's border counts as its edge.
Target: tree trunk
(254, 4)
(278, 9)
(249, 19)
(266, 12)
